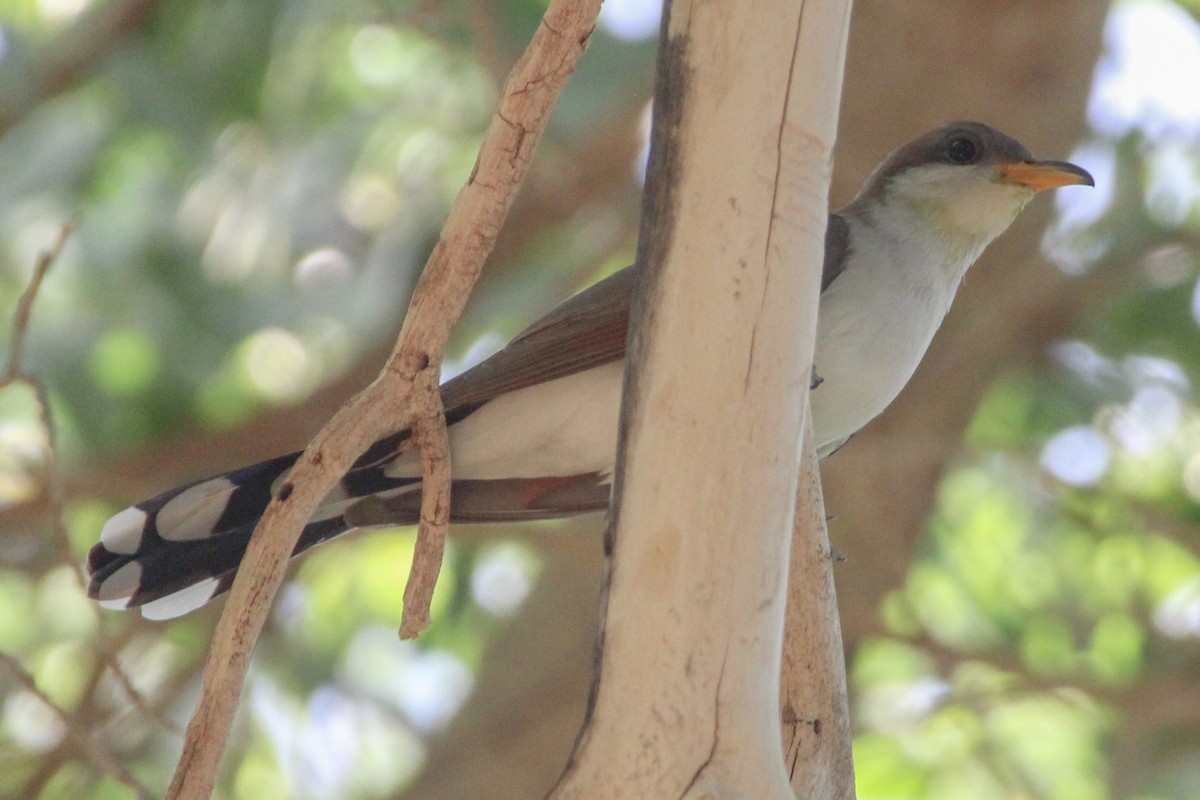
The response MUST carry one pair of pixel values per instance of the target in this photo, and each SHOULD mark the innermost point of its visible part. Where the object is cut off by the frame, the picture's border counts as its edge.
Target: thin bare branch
(429, 432)
(52, 480)
(96, 754)
(20, 325)
(15, 373)
(394, 400)
(74, 55)
(108, 657)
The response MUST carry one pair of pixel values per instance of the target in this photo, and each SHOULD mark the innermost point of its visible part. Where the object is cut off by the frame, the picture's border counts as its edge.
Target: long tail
(173, 553)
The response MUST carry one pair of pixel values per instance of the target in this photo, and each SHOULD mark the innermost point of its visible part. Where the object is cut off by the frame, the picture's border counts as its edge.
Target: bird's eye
(962, 150)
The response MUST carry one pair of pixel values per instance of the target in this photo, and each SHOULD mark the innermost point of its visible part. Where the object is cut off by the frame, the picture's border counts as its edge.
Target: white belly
(563, 427)
(874, 327)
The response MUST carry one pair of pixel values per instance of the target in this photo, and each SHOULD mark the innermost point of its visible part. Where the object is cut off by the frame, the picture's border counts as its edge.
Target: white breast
(876, 322)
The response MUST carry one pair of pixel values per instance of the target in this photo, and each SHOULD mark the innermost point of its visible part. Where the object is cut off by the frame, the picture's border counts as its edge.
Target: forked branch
(404, 395)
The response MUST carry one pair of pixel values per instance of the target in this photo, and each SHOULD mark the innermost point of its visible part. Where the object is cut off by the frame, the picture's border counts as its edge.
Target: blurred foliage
(255, 186)
(1045, 643)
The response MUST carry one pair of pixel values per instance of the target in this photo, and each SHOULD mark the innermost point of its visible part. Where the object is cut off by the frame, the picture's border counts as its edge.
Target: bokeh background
(255, 185)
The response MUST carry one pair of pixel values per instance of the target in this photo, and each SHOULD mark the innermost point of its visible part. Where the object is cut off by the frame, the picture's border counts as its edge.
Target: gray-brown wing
(837, 247)
(584, 331)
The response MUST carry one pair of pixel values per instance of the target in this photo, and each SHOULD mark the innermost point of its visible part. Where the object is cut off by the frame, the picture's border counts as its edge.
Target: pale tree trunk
(687, 703)
(912, 65)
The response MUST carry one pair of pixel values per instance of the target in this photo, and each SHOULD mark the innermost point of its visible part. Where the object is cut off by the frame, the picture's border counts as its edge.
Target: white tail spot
(120, 586)
(122, 534)
(193, 513)
(181, 602)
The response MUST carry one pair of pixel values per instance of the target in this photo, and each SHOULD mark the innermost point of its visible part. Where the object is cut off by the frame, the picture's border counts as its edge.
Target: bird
(533, 428)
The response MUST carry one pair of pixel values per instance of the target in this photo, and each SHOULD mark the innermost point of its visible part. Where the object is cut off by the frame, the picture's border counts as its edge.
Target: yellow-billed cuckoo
(533, 428)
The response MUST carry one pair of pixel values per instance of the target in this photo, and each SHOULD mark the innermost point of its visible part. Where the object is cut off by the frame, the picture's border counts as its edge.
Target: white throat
(941, 218)
(909, 250)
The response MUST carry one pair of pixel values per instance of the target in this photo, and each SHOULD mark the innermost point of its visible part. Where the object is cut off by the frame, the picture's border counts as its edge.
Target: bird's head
(966, 177)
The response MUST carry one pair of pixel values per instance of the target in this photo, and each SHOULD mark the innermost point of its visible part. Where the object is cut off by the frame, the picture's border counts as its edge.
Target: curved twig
(403, 394)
